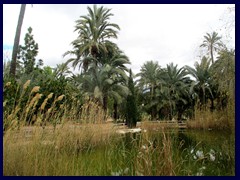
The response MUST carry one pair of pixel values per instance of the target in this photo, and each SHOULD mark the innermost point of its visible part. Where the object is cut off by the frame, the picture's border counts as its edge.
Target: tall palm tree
(94, 31)
(202, 76)
(212, 42)
(16, 41)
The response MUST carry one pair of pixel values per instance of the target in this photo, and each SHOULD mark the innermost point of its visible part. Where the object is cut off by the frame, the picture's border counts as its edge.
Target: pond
(176, 152)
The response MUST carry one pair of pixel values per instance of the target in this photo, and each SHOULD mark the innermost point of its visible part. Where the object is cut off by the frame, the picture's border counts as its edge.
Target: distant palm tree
(148, 76)
(16, 41)
(148, 81)
(212, 42)
(61, 70)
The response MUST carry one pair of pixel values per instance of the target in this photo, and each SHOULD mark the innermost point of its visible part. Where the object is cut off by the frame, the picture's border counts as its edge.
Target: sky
(160, 32)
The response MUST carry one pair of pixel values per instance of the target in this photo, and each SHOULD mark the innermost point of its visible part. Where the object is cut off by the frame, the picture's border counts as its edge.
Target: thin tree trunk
(212, 105)
(204, 99)
(16, 41)
(211, 51)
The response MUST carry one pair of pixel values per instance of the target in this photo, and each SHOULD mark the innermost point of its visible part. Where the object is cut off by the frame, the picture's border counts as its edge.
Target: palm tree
(202, 75)
(109, 80)
(149, 73)
(105, 82)
(174, 82)
(212, 42)
(94, 31)
(16, 41)
(61, 70)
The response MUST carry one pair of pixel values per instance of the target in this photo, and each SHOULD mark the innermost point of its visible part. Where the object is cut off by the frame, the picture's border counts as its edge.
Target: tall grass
(37, 151)
(218, 120)
(92, 149)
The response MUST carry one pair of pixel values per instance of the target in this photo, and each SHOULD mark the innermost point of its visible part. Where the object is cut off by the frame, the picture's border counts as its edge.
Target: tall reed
(205, 119)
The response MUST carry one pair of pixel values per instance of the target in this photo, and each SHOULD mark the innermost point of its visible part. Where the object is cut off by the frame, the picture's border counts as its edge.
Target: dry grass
(36, 151)
(70, 149)
(219, 120)
(155, 155)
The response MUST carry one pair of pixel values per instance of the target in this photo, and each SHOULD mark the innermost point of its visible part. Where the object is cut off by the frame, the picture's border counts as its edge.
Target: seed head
(26, 84)
(50, 96)
(49, 110)
(39, 96)
(35, 89)
(60, 98)
(44, 104)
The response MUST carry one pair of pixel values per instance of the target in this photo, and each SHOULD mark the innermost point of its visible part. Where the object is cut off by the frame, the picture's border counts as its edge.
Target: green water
(152, 153)
(194, 153)
(207, 152)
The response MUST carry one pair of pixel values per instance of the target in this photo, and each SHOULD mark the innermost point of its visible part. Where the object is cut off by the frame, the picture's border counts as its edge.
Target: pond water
(211, 152)
(187, 152)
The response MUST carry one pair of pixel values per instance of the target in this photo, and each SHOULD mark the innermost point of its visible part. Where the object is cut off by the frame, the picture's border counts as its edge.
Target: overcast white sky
(159, 32)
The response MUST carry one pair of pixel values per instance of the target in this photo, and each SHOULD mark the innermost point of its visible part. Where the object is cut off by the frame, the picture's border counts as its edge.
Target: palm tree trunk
(212, 105)
(204, 99)
(211, 51)
(16, 41)
(154, 111)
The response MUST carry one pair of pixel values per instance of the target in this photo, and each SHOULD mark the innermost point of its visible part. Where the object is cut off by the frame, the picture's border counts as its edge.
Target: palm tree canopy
(202, 74)
(149, 74)
(212, 42)
(94, 34)
(94, 30)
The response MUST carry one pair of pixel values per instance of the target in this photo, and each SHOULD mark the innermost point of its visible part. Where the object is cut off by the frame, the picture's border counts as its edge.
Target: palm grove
(105, 85)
